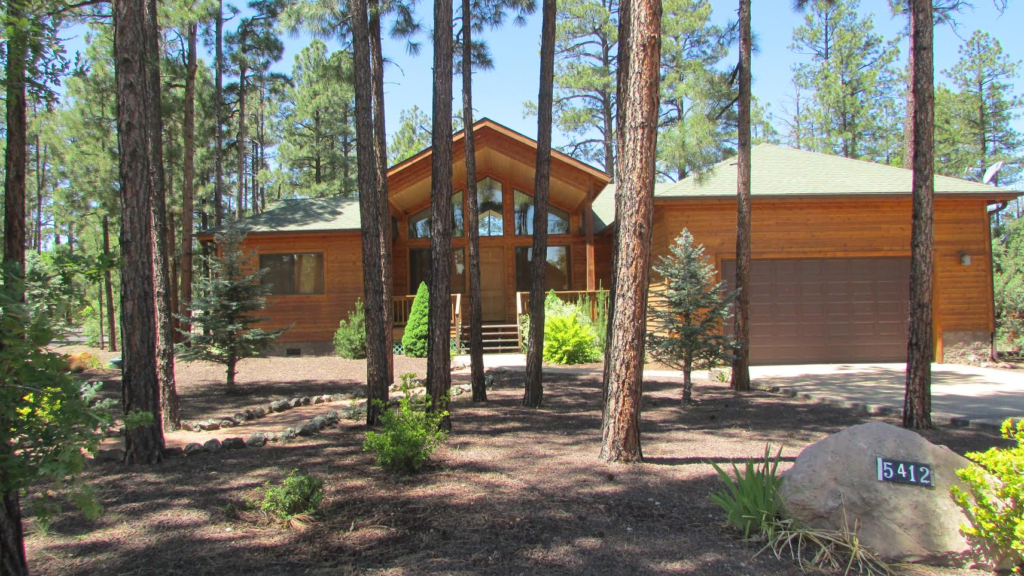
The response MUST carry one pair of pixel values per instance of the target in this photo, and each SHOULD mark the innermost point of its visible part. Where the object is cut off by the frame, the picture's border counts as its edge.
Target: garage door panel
(827, 310)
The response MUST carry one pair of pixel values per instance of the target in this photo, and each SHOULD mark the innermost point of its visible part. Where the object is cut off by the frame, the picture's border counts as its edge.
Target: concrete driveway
(978, 396)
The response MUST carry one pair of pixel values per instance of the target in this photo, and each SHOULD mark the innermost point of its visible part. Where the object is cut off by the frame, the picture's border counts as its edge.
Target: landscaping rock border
(260, 439)
(252, 414)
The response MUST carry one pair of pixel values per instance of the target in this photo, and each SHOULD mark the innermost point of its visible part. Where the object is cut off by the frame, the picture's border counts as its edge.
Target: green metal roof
(786, 172)
(303, 215)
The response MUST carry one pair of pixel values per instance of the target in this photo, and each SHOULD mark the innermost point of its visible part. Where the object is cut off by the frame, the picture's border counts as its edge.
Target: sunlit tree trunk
(917, 405)
(620, 435)
(476, 315)
(741, 361)
(188, 179)
(218, 118)
(369, 190)
(134, 20)
(534, 394)
(439, 377)
(108, 287)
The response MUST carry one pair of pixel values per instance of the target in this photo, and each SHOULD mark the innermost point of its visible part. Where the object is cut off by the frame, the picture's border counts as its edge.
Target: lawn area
(514, 491)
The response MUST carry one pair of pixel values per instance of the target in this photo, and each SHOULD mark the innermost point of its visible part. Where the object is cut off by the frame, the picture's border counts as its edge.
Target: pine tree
(414, 340)
(225, 307)
(412, 136)
(689, 316)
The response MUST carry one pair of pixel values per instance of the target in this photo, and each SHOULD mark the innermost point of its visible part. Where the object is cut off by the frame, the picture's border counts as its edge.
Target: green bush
(994, 500)
(751, 499)
(568, 340)
(350, 339)
(298, 495)
(414, 341)
(410, 432)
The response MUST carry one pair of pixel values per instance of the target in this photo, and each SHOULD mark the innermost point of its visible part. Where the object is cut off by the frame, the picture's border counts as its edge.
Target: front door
(492, 283)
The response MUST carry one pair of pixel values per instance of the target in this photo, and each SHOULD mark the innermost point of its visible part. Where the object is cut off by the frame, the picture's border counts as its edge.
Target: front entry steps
(497, 338)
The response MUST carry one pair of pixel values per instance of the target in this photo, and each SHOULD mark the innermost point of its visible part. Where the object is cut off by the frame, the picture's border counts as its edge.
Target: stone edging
(251, 414)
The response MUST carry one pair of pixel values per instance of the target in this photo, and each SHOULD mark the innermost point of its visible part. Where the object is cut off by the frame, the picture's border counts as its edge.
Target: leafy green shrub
(299, 496)
(568, 340)
(350, 338)
(751, 499)
(410, 432)
(994, 500)
(524, 329)
(414, 341)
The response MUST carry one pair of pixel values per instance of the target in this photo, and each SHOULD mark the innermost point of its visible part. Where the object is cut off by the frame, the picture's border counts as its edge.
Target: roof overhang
(499, 150)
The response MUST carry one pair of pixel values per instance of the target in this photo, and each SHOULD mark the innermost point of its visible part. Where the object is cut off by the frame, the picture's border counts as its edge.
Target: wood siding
(812, 228)
(315, 316)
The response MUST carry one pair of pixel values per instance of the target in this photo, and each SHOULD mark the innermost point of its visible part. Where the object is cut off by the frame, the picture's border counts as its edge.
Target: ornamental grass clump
(994, 501)
(410, 432)
(295, 500)
(750, 498)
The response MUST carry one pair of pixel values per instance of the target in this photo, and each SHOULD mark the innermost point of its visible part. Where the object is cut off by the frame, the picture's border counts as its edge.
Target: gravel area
(514, 491)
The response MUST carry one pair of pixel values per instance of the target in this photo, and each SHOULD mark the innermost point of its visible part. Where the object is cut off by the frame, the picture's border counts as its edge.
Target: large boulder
(899, 522)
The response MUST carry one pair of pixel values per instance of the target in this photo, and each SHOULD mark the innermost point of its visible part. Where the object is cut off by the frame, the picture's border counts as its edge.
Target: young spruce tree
(414, 341)
(224, 309)
(689, 316)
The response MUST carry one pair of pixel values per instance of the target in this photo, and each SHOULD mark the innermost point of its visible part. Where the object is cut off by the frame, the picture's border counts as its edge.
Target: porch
(498, 337)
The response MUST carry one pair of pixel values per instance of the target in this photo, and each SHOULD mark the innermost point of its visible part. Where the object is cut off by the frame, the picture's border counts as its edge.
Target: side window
(293, 273)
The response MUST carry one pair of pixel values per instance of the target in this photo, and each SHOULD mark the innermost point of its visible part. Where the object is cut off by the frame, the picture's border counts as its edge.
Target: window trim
(323, 272)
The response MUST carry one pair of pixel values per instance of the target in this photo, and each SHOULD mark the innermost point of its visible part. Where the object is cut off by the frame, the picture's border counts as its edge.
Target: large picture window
(293, 273)
(557, 274)
(492, 219)
(558, 220)
(419, 223)
(419, 269)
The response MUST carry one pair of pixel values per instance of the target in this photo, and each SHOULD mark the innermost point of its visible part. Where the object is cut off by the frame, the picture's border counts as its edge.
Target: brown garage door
(827, 310)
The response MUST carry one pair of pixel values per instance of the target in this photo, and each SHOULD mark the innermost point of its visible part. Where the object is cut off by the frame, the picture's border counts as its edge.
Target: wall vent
(293, 351)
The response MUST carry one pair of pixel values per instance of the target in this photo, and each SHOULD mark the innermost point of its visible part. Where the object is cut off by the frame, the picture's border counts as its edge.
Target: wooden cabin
(831, 247)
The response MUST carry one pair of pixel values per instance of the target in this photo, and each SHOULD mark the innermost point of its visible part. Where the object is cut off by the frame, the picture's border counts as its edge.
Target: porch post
(588, 225)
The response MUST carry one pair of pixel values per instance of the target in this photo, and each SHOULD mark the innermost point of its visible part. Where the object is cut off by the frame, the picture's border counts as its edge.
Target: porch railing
(573, 296)
(401, 306)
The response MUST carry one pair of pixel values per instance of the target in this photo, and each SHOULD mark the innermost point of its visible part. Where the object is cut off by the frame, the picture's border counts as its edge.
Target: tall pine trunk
(369, 188)
(108, 287)
(917, 404)
(188, 179)
(439, 376)
(534, 393)
(240, 199)
(476, 314)
(218, 116)
(140, 383)
(741, 361)
(641, 34)
(12, 542)
(380, 149)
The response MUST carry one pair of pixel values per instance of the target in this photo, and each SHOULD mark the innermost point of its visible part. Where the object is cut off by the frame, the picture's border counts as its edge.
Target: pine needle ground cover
(513, 491)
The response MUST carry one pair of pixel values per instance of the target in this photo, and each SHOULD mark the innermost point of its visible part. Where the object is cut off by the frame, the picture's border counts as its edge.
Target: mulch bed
(514, 491)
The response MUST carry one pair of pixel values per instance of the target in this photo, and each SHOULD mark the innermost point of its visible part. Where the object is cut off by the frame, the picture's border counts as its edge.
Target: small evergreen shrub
(300, 495)
(751, 498)
(350, 338)
(414, 341)
(994, 501)
(409, 435)
(568, 340)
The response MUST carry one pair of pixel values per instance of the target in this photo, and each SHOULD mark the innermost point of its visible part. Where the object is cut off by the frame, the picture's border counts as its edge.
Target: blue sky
(500, 93)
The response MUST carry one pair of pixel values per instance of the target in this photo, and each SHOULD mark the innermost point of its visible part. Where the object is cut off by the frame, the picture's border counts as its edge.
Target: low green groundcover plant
(295, 500)
(414, 341)
(350, 338)
(994, 501)
(410, 432)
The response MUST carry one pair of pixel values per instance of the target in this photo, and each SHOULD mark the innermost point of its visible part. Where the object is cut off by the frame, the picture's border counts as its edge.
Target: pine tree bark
(218, 115)
(620, 434)
(380, 148)
(534, 393)
(369, 204)
(741, 360)
(109, 287)
(12, 542)
(240, 144)
(439, 377)
(134, 20)
(917, 401)
(476, 314)
(188, 179)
